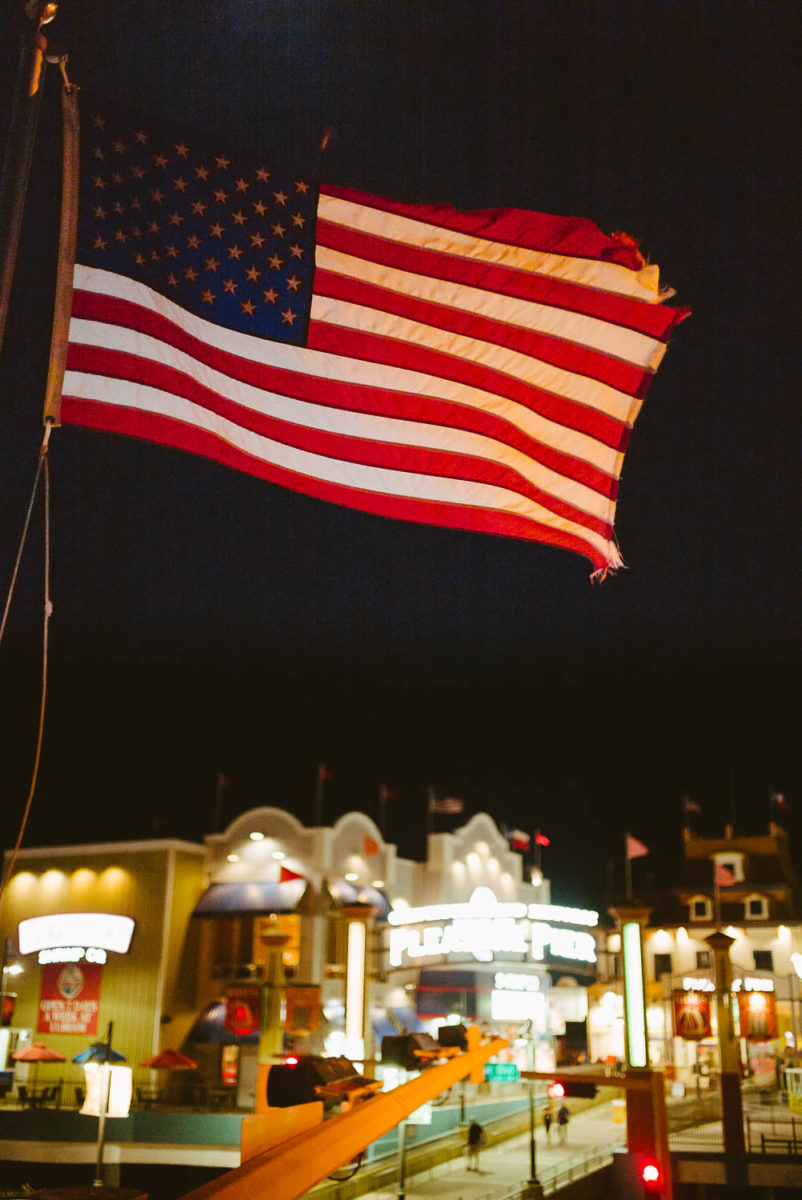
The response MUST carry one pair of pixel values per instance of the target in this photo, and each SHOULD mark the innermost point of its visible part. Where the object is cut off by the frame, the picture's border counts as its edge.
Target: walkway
(505, 1166)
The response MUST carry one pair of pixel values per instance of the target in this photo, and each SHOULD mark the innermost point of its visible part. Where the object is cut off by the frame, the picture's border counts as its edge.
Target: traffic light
(651, 1178)
(453, 1035)
(299, 1080)
(580, 1091)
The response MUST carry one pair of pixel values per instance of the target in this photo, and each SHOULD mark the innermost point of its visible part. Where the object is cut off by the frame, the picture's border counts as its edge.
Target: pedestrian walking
(477, 1138)
(563, 1117)
(548, 1120)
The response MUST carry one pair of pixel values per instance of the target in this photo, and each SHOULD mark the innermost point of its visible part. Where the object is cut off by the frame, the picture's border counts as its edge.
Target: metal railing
(559, 1176)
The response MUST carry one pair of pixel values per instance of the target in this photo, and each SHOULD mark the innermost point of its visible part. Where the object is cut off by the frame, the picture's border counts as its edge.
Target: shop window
(704, 959)
(701, 909)
(662, 966)
(764, 960)
(288, 924)
(757, 908)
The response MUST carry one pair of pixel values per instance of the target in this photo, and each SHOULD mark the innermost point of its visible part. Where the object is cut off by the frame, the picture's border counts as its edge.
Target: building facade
(745, 886)
(274, 938)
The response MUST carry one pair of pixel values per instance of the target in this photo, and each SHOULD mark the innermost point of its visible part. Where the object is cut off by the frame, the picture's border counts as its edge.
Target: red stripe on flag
(336, 394)
(558, 352)
(370, 347)
(652, 320)
(349, 448)
(573, 236)
(171, 432)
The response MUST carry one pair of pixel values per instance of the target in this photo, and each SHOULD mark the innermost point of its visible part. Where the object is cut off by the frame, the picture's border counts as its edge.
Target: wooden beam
(289, 1170)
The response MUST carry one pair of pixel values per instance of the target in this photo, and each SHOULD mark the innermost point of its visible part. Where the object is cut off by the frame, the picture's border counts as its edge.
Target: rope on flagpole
(42, 472)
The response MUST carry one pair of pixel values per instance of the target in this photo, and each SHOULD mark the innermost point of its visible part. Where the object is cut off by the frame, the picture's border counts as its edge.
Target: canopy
(169, 1060)
(345, 893)
(99, 1052)
(250, 897)
(38, 1052)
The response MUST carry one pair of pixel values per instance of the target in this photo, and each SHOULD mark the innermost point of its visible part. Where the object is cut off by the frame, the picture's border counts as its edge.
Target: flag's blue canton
(219, 234)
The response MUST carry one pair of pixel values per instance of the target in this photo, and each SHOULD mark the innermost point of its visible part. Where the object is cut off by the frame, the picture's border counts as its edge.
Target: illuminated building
(746, 886)
(274, 937)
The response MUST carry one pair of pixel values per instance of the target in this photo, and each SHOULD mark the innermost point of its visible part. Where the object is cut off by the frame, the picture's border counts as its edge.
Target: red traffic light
(556, 1090)
(652, 1178)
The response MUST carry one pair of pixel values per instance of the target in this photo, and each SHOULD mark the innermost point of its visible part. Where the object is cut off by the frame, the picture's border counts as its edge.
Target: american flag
(476, 370)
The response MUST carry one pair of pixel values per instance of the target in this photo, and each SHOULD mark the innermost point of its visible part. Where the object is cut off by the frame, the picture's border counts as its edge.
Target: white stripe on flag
(608, 276)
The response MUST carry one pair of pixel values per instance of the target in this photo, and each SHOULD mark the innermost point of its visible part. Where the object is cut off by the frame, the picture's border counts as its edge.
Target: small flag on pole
(635, 849)
(285, 875)
(723, 876)
(541, 839)
(519, 840)
(370, 847)
(779, 801)
(690, 806)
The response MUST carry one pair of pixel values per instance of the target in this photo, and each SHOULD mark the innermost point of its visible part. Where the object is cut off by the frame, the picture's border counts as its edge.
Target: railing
(773, 1131)
(559, 1176)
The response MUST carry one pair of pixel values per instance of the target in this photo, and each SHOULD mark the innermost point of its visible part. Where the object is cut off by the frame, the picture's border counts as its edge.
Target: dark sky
(206, 621)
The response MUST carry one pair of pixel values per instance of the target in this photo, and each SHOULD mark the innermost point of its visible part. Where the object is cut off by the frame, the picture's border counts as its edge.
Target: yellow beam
(287, 1171)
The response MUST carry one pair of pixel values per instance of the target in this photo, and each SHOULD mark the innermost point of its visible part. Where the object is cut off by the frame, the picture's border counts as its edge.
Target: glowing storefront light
(105, 931)
(637, 1053)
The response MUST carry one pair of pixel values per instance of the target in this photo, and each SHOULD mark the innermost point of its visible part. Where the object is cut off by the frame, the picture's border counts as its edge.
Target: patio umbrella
(37, 1053)
(169, 1060)
(99, 1052)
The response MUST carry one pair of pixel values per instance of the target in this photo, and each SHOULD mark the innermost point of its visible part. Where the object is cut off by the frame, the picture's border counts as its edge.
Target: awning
(252, 898)
(346, 894)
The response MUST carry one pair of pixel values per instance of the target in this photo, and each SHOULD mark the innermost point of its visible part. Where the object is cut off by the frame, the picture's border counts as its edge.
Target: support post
(534, 1190)
(402, 1160)
(732, 1117)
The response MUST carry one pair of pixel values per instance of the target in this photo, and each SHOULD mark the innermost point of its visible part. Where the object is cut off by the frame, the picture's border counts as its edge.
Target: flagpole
(429, 810)
(321, 776)
(716, 894)
(19, 147)
(538, 865)
(382, 822)
(627, 867)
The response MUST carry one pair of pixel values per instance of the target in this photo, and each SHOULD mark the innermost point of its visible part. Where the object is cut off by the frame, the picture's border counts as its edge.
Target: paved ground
(504, 1166)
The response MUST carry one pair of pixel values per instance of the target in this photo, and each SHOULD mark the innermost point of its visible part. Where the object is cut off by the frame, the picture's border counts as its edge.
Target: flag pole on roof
(474, 370)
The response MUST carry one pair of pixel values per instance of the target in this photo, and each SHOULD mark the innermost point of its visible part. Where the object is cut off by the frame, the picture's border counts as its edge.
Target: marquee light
(105, 931)
(482, 928)
(483, 903)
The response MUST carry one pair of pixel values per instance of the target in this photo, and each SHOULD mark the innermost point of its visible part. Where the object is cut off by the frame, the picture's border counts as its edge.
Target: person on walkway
(476, 1139)
(548, 1120)
(563, 1117)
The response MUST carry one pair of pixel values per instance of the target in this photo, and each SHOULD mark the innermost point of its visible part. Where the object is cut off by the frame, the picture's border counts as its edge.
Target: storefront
(97, 935)
(489, 947)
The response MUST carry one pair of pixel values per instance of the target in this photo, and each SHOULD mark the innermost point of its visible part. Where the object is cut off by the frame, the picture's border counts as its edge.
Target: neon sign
(483, 928)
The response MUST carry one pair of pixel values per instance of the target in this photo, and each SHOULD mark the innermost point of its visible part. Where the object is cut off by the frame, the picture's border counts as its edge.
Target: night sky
(207, 622)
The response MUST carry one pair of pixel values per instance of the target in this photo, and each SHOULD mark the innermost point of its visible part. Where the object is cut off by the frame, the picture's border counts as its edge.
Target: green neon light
(634, 998)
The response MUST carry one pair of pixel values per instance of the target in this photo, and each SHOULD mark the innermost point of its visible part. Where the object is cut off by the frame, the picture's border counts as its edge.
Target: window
(764, 960)
(757, 908)
(662, 965)
(704, 959)
(700, 909)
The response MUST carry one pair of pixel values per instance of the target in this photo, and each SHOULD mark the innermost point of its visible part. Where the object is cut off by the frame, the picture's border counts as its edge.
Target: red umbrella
(170, 1060)
(36, 1053)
